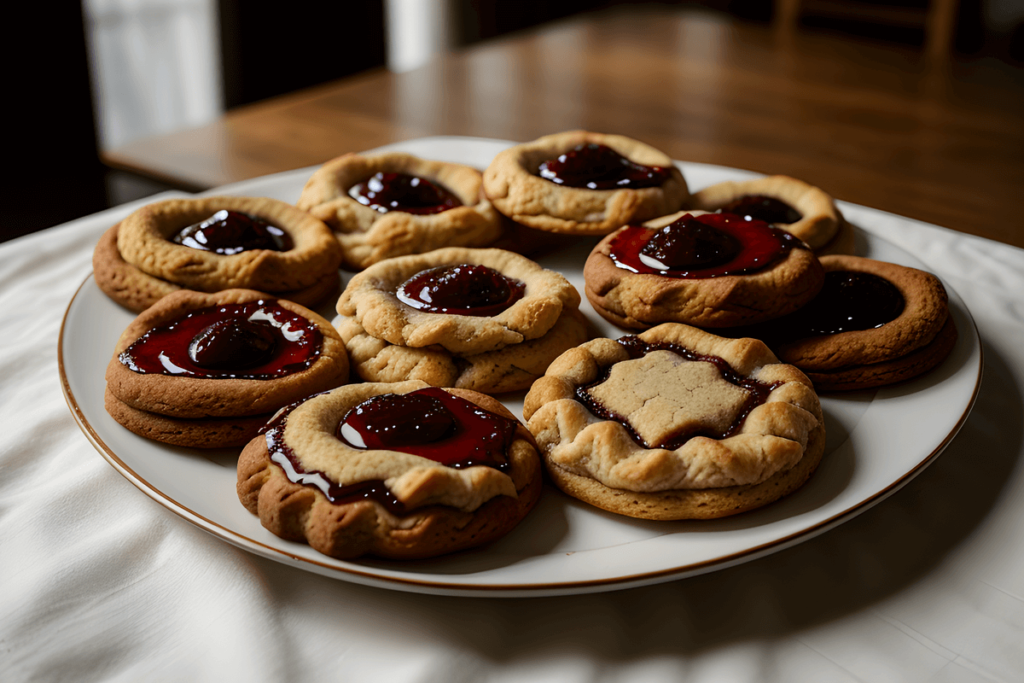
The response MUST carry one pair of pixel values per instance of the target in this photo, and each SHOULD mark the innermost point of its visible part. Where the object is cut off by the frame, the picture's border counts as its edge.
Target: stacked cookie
(482, 319)
(217, 243)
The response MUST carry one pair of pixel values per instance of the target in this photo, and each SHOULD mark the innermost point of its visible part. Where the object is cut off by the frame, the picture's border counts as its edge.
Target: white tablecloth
(99, 582)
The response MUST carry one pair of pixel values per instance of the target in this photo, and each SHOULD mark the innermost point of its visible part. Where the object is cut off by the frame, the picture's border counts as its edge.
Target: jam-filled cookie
(192, 363)
(467, 301)
(214, 243)
(697, 268)
(512, 368)
(395, 204)
(137, 290)
(676, 423)
(787, 203)
(873, 323)
(583, 183)
(393, 470)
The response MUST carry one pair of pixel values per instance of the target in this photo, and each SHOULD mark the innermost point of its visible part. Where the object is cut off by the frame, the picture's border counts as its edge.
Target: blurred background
(101, 74)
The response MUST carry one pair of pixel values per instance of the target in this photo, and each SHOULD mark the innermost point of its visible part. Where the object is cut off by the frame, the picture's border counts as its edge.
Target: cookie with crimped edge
(178, 396)
(371, 299)
(144, 241)
(655, 463)
(819, 222)
(513, 186)
(916, 340)
(639, 301)
(137, 290)
(368, 236)
(512, 368)
(443, 509)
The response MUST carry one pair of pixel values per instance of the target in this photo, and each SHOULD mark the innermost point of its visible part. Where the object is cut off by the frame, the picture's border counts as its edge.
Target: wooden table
(870, 124)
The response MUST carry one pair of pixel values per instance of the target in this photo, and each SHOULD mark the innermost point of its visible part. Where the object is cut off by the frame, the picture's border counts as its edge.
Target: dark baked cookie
(231, 354)
(583, 183)
(462, 472)
(396, 204)
(676, 423)
(709, 270)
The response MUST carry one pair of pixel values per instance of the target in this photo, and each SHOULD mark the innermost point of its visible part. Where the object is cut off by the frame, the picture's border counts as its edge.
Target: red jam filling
(757, 392)
(385, 192)
(230, 232)
(597, 167)
(430, 423)
(256, 340)
(461, 290)
(705, 246)
(762, 208)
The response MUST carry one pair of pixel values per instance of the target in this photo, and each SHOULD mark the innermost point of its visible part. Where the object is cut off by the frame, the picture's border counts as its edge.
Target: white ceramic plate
(877, 441)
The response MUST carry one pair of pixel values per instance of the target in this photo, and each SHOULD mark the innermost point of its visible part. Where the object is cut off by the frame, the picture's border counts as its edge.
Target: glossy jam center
(767, 209)
(230, 232)
(461, 290)
(256, 340)
(850, 301)
(459, 435)
(597, 167)
(385, 192)
(705, 246)
(637, 348)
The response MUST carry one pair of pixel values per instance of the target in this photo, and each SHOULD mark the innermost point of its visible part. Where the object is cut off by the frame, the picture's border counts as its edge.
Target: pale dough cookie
(512, 368)
(641, 300)
(371, 299)
(368, 236)
(196, 397)
(137, 291)
(656, 463)
(819, 219)
(144, 241)
(512, 184)
(444, 509)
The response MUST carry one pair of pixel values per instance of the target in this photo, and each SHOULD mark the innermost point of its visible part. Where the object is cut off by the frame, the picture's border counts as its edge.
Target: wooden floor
(872, 124)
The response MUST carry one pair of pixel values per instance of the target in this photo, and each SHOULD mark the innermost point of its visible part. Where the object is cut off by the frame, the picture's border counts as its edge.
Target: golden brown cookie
(298, 252)
(874, 323)
(514, 184)
(762, 274)
(801, 209)
(462, 473)
(368, 235)
(530, 300)
(676, 423)
(231, 354)
(512, 368)
(137, 290)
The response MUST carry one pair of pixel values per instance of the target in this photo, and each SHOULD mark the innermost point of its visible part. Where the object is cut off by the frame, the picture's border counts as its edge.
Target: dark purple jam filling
(230, 232)
(597, 167)
(256, 340)
(461, 290)
(385, 192)
(767, 209)
(705, 246)
(637, 348)
(454, 433)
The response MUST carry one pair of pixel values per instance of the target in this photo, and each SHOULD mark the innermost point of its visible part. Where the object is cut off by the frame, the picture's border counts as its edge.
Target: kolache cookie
(676, 423)
(798, 208)
(874, 323)
(481, 319)
(698, 268)
(398, 470)
(394, 204)
(583, 183)
(216, 243)
(208, 370)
